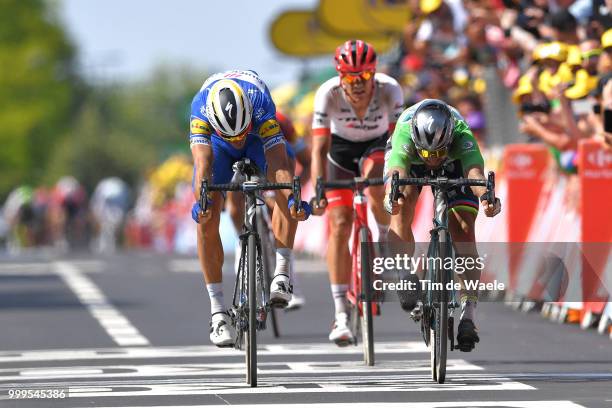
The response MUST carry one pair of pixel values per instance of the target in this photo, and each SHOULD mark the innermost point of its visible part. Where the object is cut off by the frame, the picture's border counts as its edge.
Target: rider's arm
(202, 161)
(397, 158)
(465, 148)
(304, 157)
(321, 133)
(200, 142)
(278, 168)
(320, 147)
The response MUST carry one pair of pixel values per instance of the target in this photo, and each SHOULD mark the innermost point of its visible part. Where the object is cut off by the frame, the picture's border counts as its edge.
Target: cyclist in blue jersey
(233, 117)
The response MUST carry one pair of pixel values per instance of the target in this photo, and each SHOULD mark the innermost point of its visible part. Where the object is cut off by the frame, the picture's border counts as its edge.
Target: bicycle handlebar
(356, 183)
(251, 186)
(396, 182)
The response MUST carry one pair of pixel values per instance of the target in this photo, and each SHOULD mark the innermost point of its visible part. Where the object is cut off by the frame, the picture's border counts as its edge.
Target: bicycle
(266, 235)
(251, 298)
(361, 303)
(439, 305)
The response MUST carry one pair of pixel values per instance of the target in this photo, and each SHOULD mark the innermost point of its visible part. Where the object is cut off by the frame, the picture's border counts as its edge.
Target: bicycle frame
(355, 293)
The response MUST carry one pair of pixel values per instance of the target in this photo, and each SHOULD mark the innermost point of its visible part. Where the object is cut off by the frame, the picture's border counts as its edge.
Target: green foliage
(125, 130)
(52, 124)
(38, 88)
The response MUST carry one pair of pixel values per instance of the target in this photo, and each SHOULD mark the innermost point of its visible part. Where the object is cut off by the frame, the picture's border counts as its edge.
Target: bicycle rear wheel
(367, 323)
(251, 338)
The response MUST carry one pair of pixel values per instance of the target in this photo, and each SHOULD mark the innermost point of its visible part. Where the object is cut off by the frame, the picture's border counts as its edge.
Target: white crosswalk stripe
(203, 351)
(317, 374)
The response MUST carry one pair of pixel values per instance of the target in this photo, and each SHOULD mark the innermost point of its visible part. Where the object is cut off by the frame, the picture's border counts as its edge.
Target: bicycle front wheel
(367, 323)
(441, 322)
(251, 338)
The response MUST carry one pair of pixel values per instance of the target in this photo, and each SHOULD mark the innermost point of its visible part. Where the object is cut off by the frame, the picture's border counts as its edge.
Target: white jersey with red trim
(333, 111)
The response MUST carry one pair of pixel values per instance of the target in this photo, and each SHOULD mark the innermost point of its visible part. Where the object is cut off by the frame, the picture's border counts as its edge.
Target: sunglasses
(350, 78)
(237, 138)
(436, 154)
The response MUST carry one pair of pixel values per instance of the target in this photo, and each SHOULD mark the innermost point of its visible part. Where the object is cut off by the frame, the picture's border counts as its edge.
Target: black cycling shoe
(467, 335)
(409, 298)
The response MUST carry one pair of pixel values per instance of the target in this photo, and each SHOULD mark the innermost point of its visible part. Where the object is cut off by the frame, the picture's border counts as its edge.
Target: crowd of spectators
(555, 56)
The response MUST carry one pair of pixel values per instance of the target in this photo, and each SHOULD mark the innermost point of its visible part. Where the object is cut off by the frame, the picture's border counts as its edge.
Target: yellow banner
(388, 14)
(299, 33)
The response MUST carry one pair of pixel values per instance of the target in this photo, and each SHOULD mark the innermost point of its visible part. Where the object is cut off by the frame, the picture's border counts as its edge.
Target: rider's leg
(210, 251)
(339, 264)
(297, 300)
(338, 255)
(401, 224)
(461, 226)
(210, 254)
(401, 232)
(234, 204)
(372, 167)
(284, 228)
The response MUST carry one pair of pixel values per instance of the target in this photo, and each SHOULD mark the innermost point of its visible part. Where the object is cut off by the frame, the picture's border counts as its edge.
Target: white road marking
(116, 325)
(203, 351)
(216, 369)
(284, 385)
(25, 269)
(43, 268)
(449, 404)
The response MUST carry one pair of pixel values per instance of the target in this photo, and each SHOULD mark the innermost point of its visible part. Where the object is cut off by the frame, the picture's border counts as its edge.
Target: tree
(38, 88)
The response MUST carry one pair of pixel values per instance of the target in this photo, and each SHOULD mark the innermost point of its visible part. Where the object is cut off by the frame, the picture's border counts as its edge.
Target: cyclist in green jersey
(433, 136)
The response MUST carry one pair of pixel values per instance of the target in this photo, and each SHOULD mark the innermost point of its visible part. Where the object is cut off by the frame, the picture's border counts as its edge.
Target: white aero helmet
(228, 108)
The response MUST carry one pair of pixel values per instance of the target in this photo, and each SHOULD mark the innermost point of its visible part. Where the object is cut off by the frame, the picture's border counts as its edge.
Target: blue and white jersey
(264, 123)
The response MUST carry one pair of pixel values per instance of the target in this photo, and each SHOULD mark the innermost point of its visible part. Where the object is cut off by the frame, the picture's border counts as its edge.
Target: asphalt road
(132, 330)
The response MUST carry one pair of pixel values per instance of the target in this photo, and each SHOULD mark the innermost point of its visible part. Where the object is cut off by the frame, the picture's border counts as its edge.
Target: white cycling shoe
(341, 334)
(222, 333)
(281, 291)
(296, 302)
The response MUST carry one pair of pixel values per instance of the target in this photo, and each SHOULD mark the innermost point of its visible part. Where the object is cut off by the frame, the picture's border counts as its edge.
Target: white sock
(339, 295)
(468, 307)
(215, 293)
(383, 230)
(283, 261)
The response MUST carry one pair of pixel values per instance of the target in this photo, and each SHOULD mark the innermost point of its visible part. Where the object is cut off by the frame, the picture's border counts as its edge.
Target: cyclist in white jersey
(354, 114)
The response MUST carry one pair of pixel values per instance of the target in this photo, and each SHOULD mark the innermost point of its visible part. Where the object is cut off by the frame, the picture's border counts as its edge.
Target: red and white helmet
(355, 56)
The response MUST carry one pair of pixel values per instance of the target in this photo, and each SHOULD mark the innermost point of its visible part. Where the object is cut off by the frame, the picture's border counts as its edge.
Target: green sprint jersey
(403, 153)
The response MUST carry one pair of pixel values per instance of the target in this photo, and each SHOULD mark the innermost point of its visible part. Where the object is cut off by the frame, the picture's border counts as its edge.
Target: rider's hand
(393, 207)
(197, 214)
(303, 213)
(491, 209)
(318, 208)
